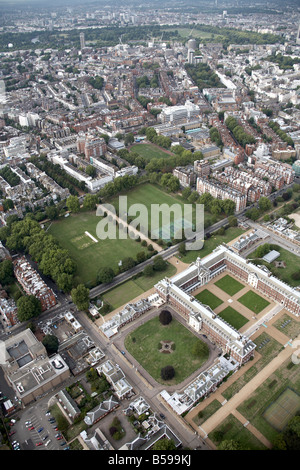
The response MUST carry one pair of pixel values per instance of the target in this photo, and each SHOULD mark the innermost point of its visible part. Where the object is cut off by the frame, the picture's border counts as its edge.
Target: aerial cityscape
(150, 227)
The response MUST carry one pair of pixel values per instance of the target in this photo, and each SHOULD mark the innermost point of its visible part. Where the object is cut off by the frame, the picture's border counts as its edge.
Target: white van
(48, 442)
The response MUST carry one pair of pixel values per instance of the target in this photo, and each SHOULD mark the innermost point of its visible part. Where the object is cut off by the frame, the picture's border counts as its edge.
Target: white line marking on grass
(91, 236)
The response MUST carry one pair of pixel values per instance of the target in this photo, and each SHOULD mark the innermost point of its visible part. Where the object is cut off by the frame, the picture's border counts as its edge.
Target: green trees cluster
(133, 158)
(122, 183)
(59, 175)
(241, 136)
(160, 140)
(6, 272)
(203, 76)
(215, 136)
(144, 82)
(284, 62)
(289, 438)
(96, 82)
(170, 182)
(80, 297)
(9, 176)
(181, 157)
(28, 307)
(26, 236)
(264, 204)
(212, 205)
(283, 136)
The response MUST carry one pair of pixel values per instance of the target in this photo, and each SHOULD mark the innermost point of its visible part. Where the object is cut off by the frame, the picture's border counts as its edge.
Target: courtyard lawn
(233, 317)
(253, 301)
(91, 256)
(208, 298)
(144, 344)
(136, 286)
(229, 285)
(149, 151)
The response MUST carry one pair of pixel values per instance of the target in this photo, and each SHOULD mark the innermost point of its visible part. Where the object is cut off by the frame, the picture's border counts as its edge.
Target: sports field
(149, 151)
(283, 409)
(144, 343)
(151, 196)
(89, 255)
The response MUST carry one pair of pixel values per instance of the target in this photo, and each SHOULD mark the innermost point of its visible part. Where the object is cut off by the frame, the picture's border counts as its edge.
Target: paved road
(142, 383)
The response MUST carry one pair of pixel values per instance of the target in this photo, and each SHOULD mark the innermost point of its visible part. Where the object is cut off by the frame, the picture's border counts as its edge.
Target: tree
(264, 204)
(73, 204)
(90, 201)
(159, 264)
(6, 272)
(232, 221)
(80, 297)
(105, 275)
(51, 344)
(230, 445)
(28, 307)
(91, 171)
(164, 444)
(167, 372)
(165, 317)
(148, 270)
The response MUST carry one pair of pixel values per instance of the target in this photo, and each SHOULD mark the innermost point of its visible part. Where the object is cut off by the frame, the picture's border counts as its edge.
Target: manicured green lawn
(135, 287)
(208, 298)
(143, 344)
(211, 243)
(229, 285)
(91, 256)
(285, 274)
(253, 301)
(149, 151)
(151, 196)
(233, 317)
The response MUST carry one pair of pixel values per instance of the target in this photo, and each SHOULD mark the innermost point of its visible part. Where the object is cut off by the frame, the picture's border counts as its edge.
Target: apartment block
(218, 191)
(33, 284)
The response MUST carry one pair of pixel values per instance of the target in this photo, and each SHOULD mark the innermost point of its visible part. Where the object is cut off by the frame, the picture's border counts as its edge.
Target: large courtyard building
(178, 293)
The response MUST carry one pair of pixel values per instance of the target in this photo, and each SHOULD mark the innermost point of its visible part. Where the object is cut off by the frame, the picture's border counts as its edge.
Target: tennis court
(283, 409)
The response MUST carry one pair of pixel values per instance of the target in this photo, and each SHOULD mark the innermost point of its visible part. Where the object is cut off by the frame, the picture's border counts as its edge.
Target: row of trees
(283, 136)
(59, 175)
(26, 236)
(242, 137)
(212, 205)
